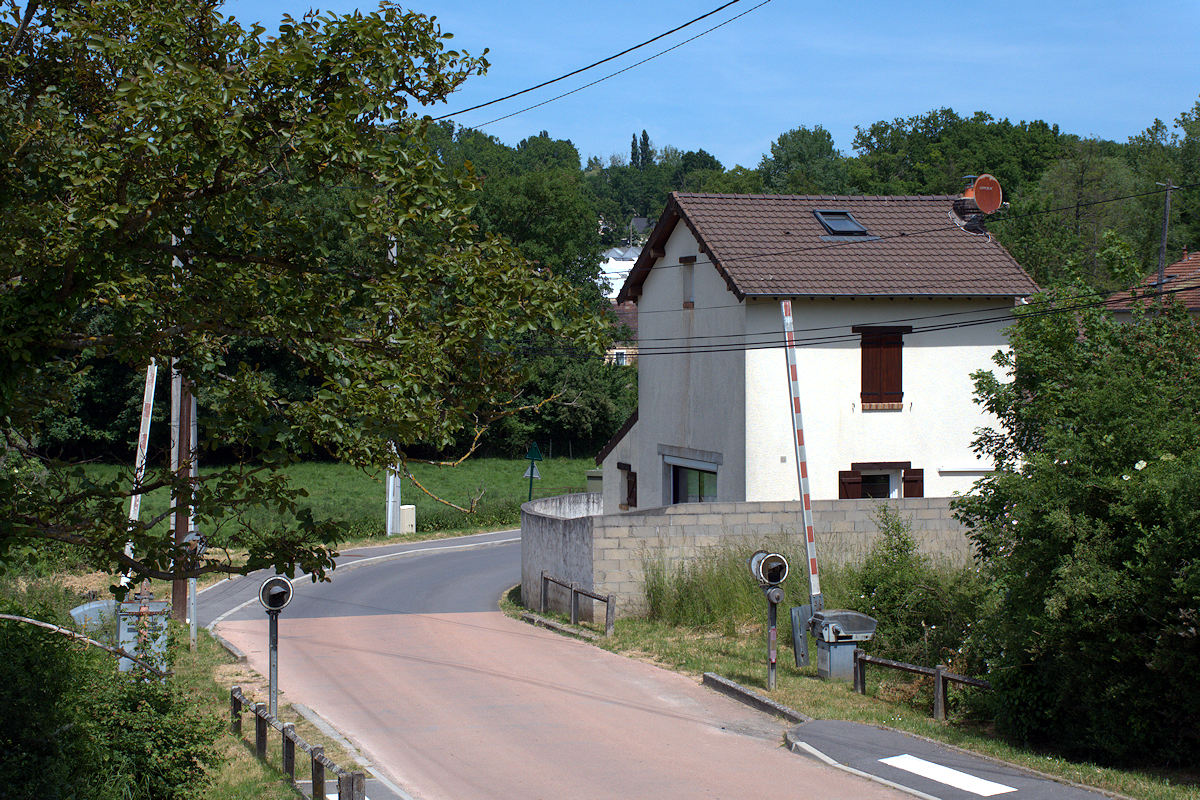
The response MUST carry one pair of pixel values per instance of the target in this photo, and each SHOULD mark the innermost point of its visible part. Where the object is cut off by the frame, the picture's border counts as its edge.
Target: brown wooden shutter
(914, 483)
(631, 489)
(882, 372)
(849, 485)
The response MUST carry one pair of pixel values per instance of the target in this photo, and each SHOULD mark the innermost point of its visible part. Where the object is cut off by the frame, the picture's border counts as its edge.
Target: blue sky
(1104, 69)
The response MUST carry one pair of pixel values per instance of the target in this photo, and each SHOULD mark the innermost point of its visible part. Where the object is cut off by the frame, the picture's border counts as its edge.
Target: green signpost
(534, 455)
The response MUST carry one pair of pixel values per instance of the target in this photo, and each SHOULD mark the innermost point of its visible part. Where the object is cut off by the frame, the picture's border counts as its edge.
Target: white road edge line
(815, 753)
(943, 774)
(354, 564)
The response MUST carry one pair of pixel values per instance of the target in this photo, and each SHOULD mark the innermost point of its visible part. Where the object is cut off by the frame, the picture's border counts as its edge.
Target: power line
(589, 66)
(626, 69)
(773, 339)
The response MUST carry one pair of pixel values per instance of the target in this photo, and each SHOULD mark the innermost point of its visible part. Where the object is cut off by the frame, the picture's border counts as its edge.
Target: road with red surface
(409, 658)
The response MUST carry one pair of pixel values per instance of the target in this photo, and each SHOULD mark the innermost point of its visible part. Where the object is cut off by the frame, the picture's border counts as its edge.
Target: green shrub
(924, 610)
(73, 727)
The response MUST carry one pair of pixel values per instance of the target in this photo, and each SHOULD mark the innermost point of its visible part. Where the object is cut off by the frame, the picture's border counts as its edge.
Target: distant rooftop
(1181, 282)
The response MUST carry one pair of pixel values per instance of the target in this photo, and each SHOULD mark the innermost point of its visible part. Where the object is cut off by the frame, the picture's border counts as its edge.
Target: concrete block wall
(556, 536)
(620, 544)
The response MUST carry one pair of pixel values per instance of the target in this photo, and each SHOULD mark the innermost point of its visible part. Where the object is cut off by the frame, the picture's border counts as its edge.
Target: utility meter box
(838, 632)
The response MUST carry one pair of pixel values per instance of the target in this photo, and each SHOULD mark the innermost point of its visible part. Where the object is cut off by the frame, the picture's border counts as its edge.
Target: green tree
(1088, 530)
(1083, 184)
(805, 161)
(155, 162)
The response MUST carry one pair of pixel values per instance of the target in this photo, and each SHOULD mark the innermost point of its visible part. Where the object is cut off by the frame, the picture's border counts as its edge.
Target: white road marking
(950, 777)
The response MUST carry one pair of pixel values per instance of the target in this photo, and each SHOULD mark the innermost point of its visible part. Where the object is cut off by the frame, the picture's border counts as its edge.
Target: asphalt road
(409, 657)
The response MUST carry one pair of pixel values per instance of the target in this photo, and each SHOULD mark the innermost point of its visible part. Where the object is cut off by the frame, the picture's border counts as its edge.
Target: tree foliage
(159, 163)
(75, 727)
(1089, 531)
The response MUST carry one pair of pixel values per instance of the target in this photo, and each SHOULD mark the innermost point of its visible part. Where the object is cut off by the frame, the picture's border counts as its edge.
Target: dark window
(882, 373)
(631, 489)
(693, 485)
(840, 223)
(878, 485)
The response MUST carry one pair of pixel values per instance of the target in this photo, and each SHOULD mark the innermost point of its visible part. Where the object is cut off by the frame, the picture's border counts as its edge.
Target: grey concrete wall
(607, 553)
(556, 536)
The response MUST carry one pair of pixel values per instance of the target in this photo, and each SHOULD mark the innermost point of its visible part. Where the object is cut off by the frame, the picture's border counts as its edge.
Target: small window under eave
(840, 224)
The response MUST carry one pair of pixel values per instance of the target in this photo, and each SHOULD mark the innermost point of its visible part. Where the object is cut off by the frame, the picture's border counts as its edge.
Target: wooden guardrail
(610, 601)
(942, 677)
(350, 785)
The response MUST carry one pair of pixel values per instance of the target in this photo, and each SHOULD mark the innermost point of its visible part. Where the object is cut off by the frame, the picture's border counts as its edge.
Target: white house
(895, 305)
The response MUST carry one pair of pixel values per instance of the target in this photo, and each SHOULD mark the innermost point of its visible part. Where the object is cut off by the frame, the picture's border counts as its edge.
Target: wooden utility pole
(1162, 247)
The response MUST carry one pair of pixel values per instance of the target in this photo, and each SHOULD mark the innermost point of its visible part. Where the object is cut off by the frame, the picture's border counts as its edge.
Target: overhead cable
(589, 66)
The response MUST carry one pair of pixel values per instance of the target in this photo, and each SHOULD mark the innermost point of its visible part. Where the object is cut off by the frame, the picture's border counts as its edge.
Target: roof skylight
(840, 223)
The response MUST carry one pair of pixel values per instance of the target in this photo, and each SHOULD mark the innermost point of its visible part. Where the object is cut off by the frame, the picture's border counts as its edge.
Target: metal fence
(350, 785)
(610, 601)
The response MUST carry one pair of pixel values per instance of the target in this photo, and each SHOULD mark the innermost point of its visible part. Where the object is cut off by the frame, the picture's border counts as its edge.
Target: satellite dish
(987, 193)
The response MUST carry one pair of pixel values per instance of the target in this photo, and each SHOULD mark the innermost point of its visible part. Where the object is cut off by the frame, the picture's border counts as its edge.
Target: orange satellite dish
(987, 193)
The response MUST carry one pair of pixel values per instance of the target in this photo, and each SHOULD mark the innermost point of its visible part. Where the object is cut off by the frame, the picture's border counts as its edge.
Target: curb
(752, 698)
(229, 646)
(535, 619)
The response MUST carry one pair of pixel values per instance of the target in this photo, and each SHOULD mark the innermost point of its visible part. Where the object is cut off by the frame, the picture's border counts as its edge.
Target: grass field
(356, 498)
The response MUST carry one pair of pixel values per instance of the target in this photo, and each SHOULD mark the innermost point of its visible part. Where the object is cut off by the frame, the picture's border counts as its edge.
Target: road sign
(532, 473)
(534, 454)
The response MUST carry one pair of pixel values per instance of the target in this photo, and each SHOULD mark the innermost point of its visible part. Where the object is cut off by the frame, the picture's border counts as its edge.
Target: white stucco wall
(689, 402)
(935, 428)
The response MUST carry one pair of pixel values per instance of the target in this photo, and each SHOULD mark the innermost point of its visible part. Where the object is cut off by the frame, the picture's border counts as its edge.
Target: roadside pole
(139, 461)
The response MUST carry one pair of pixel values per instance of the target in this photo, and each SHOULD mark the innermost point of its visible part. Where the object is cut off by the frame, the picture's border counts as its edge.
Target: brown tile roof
(772, 245)
(627, 316)
(1181, 283)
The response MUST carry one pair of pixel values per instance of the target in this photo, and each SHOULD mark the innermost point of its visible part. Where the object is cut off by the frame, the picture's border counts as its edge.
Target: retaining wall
(568, 537)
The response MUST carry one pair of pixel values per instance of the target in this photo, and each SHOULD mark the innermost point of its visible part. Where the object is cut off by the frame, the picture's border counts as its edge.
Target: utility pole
(183, 463)
(1162, 247)
(182, 456)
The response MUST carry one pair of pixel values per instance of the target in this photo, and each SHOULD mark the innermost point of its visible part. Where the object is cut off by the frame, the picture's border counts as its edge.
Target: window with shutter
(882, 373)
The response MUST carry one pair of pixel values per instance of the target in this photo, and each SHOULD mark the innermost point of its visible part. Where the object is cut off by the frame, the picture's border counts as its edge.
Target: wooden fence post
(610, 615)
(939, 692)
(574, 603)
(542, 604)
(235, 710)
(289, 750)
(318, 772)
(352, 786)
(260, 730)
(860, 672)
